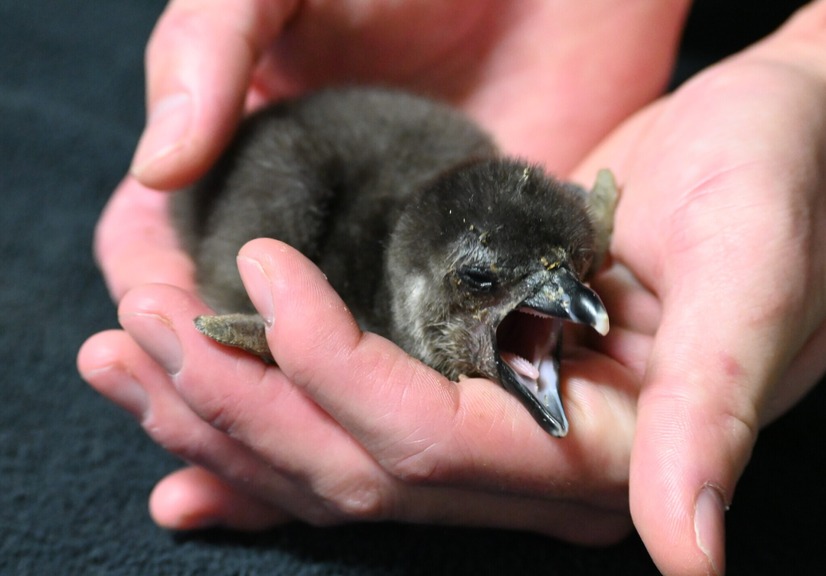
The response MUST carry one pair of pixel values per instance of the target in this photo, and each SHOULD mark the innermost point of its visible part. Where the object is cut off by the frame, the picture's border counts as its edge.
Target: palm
(694, 214)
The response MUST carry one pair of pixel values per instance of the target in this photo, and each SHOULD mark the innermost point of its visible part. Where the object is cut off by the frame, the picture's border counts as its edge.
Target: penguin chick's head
(483, 269)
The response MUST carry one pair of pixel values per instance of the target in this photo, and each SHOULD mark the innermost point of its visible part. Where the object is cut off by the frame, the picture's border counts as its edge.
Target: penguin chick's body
(468, 261)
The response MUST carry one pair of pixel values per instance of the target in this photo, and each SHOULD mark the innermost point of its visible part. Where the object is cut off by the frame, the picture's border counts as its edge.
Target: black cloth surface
(75, 471)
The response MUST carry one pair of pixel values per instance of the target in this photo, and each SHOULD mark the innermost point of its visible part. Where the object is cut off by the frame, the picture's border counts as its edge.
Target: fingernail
(121, 389)
(710, 526)
(155, 335)
(165, 131)
(131, 396)
(258, 287)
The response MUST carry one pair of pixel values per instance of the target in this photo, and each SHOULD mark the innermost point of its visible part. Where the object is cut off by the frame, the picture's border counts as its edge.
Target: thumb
(199, 63)
(694, 437)
(719, 348)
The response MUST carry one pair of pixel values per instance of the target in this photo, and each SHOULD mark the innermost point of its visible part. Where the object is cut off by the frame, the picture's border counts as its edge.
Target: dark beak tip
(556, 426)
(558, 430)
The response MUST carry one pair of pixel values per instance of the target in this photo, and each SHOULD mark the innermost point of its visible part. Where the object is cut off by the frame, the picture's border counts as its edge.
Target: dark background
(75, 471)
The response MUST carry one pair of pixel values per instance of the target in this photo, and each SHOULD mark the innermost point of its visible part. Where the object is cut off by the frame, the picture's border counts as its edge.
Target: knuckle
(222, 413)
(741, 424)
(361, 497)
(189, 443)
(422, 466)
(178, 27)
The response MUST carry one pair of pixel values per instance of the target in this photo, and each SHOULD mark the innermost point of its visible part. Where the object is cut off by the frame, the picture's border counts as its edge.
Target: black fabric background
(75, 472)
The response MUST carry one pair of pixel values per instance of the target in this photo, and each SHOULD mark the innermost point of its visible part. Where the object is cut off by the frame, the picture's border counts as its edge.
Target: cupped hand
(723, 218)
(348, 427)
(549, 101)
(720, 220)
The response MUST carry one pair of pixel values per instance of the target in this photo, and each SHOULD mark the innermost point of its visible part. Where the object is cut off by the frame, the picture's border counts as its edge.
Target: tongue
(520, 365)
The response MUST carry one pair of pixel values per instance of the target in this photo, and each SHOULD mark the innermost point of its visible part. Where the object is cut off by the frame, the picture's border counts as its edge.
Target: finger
(97, 360)
(135, 243)
(336, 480)
(234, 392)
(419, 426)
(194, 498)
(121, 371)
(199, 62)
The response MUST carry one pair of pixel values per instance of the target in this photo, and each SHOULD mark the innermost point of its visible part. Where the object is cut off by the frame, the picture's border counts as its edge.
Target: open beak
(528, 343)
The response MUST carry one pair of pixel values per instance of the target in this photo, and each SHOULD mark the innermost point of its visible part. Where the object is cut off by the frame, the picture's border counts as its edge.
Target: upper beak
(561, 296)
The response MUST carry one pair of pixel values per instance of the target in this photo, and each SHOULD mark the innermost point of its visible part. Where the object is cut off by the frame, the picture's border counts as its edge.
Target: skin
(716, 302)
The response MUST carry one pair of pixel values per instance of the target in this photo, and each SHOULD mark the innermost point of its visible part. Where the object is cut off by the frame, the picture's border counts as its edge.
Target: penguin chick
(469, 261)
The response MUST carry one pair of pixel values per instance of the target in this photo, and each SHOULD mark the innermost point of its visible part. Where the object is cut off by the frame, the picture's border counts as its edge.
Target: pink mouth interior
(525, 340)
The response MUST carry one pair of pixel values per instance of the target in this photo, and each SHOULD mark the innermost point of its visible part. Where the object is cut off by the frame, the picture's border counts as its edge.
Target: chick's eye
(477, 279)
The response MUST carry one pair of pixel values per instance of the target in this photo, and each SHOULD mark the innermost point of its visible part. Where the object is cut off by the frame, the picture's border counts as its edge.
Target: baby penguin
(469, 261)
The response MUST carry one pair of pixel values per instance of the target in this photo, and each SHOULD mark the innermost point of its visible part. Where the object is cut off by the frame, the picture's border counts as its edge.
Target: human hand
(775, 340)
(548, 77)
(206, 64)
(221, 57)
(348, 427)
(723, 217)
(216, 57)
(135, 244)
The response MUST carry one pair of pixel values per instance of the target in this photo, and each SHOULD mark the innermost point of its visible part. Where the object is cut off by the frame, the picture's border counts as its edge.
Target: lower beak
(561, 297)
(539, 395)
